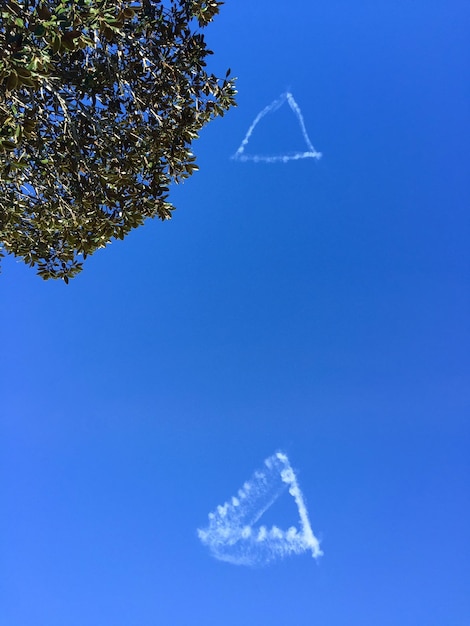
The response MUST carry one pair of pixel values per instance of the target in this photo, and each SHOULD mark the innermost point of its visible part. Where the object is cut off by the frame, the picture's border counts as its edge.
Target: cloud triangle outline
(309, 153)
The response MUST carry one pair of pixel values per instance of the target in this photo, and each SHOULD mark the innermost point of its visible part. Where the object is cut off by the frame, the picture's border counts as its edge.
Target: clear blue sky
(320, 308)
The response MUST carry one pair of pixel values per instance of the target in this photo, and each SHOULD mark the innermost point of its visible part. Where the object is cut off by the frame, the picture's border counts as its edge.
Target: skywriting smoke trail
(310, 153)
(231, 535)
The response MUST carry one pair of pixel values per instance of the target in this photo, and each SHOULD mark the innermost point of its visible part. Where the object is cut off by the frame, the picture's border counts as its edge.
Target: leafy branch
(100, 102)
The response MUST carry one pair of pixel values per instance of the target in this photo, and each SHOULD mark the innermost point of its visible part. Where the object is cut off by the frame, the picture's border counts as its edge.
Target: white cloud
(309, 153)
(230, 535)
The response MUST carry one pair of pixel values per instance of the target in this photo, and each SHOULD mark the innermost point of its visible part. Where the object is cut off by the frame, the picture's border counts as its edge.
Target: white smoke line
(310, 153)
(231, 536)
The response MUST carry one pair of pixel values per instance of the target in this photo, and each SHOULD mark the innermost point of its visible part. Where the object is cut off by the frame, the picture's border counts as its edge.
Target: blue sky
(319, 308)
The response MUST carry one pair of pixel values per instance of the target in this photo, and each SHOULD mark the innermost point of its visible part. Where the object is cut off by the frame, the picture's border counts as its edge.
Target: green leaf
(39, 30)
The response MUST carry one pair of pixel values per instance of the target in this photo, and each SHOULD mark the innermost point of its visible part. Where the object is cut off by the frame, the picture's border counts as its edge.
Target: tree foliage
(100, 101)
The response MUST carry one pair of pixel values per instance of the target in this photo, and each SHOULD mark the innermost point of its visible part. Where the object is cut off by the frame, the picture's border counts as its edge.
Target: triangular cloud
(309, 153)
(232, 535)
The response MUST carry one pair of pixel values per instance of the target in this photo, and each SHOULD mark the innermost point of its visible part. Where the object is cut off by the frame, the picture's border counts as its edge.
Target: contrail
(310, 153)
(231, 535)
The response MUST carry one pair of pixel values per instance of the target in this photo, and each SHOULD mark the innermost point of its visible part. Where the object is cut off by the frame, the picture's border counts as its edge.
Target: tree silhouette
(100, 101)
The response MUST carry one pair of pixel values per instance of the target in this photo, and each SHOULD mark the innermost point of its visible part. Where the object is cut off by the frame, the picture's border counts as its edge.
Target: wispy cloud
(310, 153)
(231, 535)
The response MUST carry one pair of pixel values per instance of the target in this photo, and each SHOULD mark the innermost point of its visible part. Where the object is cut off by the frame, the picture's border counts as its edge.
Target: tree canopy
(100, 101)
